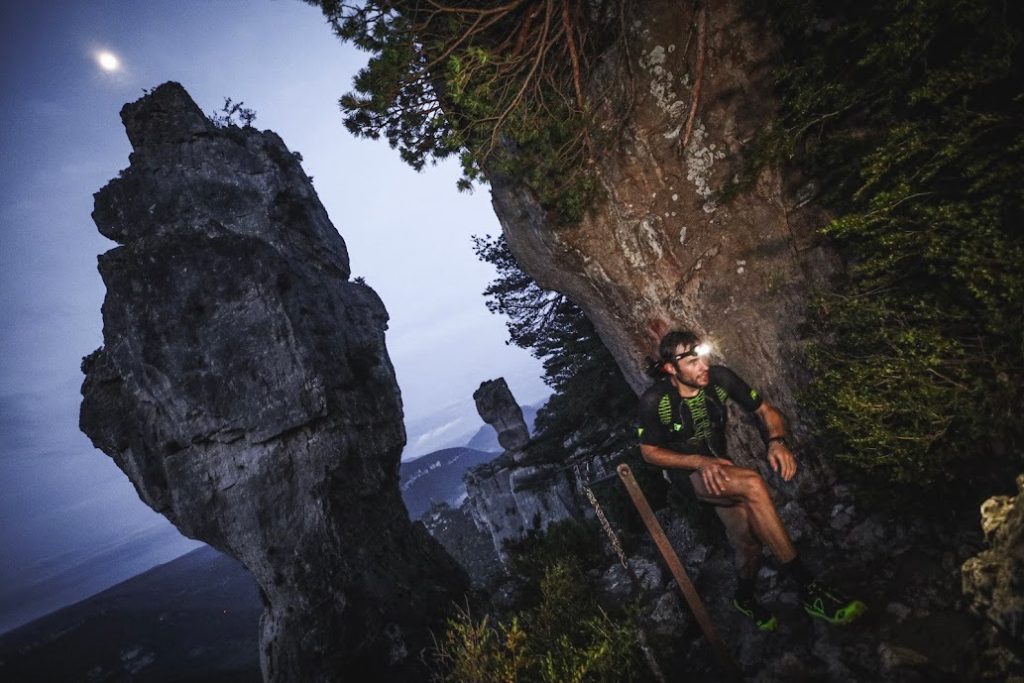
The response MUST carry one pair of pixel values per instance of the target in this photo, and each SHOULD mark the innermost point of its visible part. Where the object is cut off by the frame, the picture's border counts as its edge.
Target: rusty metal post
(678, 572)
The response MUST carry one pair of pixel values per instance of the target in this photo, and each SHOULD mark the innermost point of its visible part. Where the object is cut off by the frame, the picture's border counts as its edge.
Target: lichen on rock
(993, 580)
(659, 248)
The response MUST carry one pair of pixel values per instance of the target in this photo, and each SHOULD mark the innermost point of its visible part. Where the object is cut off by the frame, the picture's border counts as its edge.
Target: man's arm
(712, 470)
(779, 456)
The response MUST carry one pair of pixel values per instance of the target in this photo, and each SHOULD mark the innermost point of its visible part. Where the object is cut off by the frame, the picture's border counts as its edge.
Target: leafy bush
(235, 114)
(910, 115)
(570, 542)
(559, 634)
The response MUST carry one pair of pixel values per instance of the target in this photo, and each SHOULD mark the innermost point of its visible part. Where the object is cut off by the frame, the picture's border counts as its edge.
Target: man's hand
(781, 459)
(712, 471)
(779, 456)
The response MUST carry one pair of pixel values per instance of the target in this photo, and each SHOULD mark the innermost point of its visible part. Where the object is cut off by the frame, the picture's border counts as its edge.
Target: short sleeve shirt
(694, 425)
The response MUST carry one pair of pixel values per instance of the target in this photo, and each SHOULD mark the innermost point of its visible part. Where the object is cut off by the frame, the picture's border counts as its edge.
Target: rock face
(245, 389)
(509, 496)
(661, 249)
(498, 408)
(471, 547)
(994, 580)
(507, 499)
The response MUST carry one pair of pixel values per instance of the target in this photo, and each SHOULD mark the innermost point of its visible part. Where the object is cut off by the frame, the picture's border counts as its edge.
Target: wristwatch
(780, 439)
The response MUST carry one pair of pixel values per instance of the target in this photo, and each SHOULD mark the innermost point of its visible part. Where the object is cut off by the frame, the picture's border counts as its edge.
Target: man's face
(689, 369)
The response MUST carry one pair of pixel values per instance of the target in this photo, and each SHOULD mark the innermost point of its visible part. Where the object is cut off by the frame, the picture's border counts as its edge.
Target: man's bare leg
(747, 548)
(746, 488)
(739, 527)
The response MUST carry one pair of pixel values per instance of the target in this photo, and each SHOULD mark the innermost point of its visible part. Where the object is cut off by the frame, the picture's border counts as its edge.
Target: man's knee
(751, 486)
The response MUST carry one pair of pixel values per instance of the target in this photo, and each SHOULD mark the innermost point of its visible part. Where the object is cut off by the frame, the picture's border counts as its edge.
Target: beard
(698, 382)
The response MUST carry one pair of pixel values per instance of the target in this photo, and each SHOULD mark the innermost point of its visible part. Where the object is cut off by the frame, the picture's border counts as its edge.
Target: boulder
(993, 580)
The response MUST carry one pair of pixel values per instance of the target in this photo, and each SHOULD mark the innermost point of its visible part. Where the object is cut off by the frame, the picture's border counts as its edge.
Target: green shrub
(566, 638)
(570, 542)
(910, 116)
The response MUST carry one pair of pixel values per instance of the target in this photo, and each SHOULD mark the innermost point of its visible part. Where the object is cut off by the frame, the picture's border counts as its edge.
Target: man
(682, 427)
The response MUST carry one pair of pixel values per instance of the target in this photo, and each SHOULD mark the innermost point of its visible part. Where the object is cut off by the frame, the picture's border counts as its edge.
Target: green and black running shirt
(695, 425)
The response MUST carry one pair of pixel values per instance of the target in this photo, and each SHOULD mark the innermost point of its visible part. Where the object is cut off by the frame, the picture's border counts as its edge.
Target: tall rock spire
(508, 497)
(244, 387)
(498, 408)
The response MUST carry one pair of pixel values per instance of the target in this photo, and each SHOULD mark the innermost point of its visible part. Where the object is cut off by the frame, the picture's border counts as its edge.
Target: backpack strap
(665, 410)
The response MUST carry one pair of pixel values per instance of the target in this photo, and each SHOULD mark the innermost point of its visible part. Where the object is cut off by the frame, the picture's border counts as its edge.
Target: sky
(71, 524)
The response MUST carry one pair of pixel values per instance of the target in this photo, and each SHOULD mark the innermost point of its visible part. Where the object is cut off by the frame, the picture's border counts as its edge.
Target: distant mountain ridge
(437, 477)
(193, 619)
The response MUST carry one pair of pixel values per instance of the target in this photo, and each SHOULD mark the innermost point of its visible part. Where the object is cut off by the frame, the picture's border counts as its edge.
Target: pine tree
(592, 406)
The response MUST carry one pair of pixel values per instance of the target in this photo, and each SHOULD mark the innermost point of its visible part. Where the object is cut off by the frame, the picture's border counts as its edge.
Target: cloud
(437, 432)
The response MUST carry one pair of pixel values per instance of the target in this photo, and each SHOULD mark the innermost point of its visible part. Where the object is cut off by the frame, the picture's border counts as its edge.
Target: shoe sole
(842, 616)
(769, 625)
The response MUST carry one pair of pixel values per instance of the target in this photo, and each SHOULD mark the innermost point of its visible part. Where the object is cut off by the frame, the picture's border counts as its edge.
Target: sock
(796, 570)
(745, 589)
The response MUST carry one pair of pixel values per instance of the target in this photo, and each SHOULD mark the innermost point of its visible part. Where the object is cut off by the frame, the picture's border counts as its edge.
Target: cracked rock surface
(244, 387)
(993, 580)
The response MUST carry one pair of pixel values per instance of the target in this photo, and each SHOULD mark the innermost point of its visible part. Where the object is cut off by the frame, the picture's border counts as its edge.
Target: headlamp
(701, 349)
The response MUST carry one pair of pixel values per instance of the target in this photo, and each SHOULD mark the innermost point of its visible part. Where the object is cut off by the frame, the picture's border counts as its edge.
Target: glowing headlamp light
(698, 350)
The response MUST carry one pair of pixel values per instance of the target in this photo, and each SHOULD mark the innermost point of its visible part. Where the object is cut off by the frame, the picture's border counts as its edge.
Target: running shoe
(825, 603)
(762, 618)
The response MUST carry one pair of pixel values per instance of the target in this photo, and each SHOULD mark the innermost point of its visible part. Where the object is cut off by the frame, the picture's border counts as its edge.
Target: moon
(108, 61)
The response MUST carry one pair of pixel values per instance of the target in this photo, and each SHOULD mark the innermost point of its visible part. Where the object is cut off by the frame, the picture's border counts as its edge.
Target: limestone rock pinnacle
(244, 387)
(498, 408)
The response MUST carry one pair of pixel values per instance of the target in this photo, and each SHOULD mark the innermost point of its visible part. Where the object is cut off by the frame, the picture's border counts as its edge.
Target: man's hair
(667, 347)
